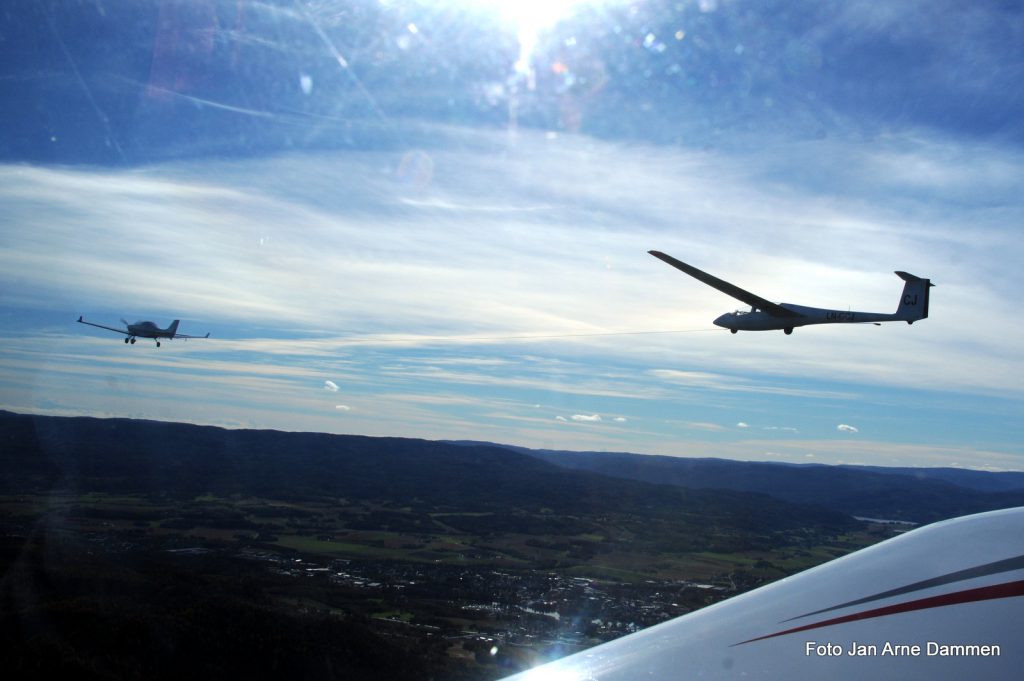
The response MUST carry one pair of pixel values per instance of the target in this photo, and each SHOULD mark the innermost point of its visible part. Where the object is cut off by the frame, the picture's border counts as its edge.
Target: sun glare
(554, 672)
(530, 17)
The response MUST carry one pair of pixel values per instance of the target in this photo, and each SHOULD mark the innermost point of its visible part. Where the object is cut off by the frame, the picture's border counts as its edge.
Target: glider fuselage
(756, 320)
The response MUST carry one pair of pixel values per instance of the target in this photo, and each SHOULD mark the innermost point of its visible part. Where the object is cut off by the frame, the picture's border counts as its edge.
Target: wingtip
(79, 318)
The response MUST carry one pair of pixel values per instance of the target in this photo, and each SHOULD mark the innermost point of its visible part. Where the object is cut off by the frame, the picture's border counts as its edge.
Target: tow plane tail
(173, 328)
(914, 301)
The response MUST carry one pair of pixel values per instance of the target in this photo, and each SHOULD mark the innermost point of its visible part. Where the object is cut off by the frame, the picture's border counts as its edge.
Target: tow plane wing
(943, 602)
(108, 328)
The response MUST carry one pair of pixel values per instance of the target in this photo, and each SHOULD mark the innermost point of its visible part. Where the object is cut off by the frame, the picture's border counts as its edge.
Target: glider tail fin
(173, 328)
(914, 301)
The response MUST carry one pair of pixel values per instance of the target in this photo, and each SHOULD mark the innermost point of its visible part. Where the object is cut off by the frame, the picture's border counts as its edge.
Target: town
(484, 612)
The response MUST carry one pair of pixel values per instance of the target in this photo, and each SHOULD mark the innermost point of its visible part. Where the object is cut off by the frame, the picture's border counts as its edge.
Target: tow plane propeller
(765, 315)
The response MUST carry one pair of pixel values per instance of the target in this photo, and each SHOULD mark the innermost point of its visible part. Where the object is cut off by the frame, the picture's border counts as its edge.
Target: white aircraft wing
(725, 287)
(942, 602)
(108, 328)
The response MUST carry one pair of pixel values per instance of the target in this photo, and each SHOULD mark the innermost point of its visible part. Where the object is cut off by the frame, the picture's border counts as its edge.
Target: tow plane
(765, 315)
(145, 330)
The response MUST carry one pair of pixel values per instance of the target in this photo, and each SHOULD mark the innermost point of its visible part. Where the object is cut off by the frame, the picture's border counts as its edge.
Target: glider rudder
(914, 300)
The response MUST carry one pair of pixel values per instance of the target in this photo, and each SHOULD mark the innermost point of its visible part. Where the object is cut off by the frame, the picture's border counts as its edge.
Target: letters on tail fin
(173, 328)
(914, 302)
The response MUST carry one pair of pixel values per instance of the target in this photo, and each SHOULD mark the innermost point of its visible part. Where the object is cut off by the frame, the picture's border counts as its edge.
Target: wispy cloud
(722, 382)
(844, 428)
(586, 418)
(423, 293)
(104, 220)
(574, 380)
(709, 427)
(433, 399)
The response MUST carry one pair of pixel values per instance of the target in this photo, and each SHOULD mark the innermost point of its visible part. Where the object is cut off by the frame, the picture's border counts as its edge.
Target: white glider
(765, 315)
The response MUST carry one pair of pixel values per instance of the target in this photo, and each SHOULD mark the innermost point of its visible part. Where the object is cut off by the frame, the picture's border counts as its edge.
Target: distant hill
(918, 495)
(985, 481)
(181, 460)
(122, 456)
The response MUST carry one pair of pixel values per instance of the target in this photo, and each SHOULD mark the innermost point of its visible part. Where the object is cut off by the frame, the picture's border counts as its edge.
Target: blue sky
(423, 238)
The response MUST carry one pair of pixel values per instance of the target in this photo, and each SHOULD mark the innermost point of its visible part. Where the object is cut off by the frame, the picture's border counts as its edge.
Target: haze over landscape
(401, 220)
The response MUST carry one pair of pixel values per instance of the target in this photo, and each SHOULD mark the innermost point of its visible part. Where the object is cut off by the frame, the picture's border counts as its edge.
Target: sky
(432, 220)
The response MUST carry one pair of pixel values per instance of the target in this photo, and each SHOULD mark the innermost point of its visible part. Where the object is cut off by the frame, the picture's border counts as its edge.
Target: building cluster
(511, 608)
